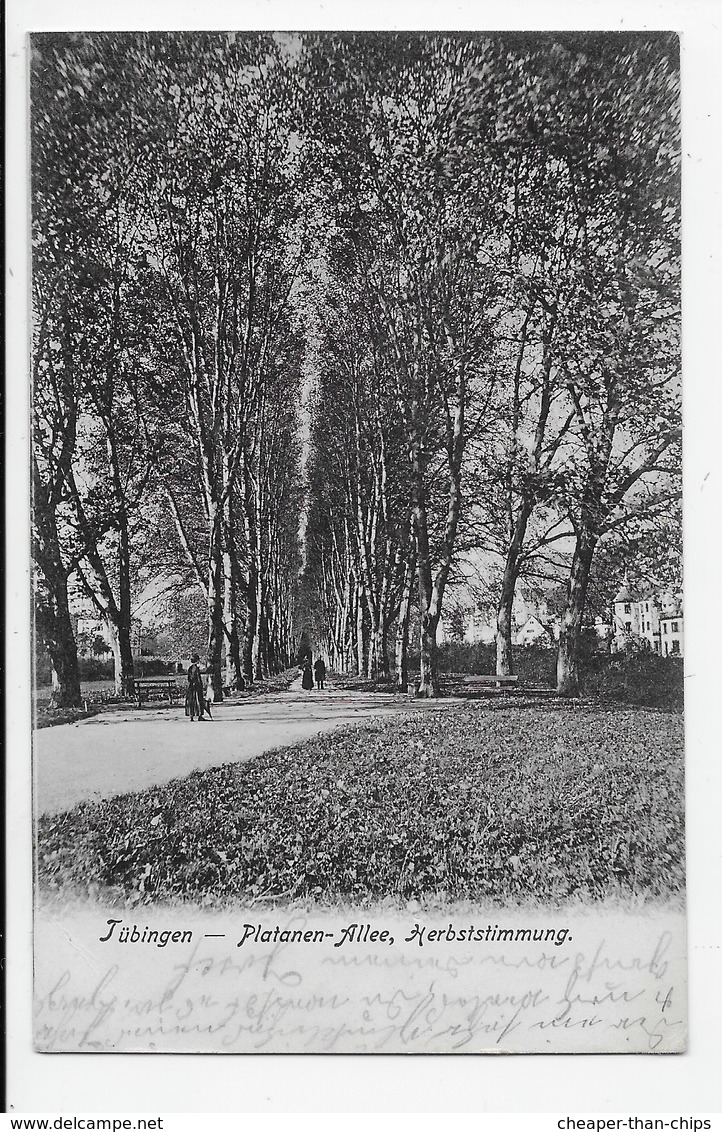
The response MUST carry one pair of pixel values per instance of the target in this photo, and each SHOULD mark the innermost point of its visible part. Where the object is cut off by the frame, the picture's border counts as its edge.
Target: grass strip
(483, 801)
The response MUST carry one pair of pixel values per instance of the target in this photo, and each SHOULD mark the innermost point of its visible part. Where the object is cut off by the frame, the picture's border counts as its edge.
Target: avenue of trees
(168, 238)
(319, 317)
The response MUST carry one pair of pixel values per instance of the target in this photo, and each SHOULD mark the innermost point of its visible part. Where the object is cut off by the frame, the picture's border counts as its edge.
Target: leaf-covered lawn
(482, 801)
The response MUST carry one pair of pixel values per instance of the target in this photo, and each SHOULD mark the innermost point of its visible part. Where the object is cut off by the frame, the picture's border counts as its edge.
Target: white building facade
(655, 619)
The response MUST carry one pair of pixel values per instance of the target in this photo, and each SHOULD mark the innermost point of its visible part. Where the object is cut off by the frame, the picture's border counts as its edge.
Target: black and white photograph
(362, 480)
(358, 621)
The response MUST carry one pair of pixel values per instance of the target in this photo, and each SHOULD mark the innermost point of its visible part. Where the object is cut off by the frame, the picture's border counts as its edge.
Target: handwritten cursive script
(613, 983)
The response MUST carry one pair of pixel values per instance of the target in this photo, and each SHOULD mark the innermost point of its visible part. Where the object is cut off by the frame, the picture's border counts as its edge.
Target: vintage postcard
(358, 626)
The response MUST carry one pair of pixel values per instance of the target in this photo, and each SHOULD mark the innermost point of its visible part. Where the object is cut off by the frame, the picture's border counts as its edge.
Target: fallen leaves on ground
(475, 802)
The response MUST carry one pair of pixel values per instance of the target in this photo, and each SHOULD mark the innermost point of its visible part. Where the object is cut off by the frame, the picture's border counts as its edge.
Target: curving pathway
(122, 751)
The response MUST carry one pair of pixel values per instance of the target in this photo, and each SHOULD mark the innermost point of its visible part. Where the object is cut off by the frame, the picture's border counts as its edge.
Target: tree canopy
(318, 318)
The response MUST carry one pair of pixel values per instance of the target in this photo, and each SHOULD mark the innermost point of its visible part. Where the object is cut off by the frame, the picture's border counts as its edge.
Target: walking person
(307, 679)
(194, 691)
(319, 669)
(209, 697)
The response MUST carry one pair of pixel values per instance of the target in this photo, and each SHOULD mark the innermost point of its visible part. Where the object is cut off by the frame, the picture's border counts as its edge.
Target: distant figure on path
(209, 697)
(194, 692)
(320, 670)
(307, 681)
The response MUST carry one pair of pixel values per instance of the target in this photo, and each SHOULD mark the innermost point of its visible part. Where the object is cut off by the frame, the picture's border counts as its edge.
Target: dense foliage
(638, 678)
(167, 351)
(502, 257)
(363, 304)
(496, 801)
(642, 678)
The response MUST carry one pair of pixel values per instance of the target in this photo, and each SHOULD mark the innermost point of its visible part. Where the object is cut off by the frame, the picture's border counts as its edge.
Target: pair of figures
(319, 670)
(198, 697)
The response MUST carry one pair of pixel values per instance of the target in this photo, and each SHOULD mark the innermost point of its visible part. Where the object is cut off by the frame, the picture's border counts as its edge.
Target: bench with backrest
(156, 687)
(496, 683)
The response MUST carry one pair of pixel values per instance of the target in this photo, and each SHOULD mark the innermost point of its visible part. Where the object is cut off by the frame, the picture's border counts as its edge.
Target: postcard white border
(186, 1083)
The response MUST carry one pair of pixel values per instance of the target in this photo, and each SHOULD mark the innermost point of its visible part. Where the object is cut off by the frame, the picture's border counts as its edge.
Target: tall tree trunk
(504, 615)
(429, 676)
(428, 620)
(253, 580)
(259, 649)
(349, 640)
(568, 682)
(124, 622)
(431, 592)
(125, 655)
(234, 666)
(372, 665)
(402, 627)
(338, 639)
(126, 658)
(53, 623)
(121, 647)
(343, 630)
(360, 633)
(382, 653)
(64, 659)
(234, 672)
(504, 655)
(377, 665)
(215, 608)
(250, 630)
(428, 685)
(55, 629)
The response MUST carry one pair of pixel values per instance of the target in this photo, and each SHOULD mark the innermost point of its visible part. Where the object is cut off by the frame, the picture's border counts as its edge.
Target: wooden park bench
(498, 683)
(156, 687)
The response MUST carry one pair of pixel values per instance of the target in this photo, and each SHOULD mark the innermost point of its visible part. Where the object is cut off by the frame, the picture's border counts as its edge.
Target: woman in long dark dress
(194, 692)
(307, 679)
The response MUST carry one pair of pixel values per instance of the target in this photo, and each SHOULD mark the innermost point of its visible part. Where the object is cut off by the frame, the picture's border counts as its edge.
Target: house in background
(532, 624)
(533, 632)
(656, 619)
(671, 626)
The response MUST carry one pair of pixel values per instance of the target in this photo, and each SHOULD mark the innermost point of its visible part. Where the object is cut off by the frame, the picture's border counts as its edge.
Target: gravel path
(121, 751)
